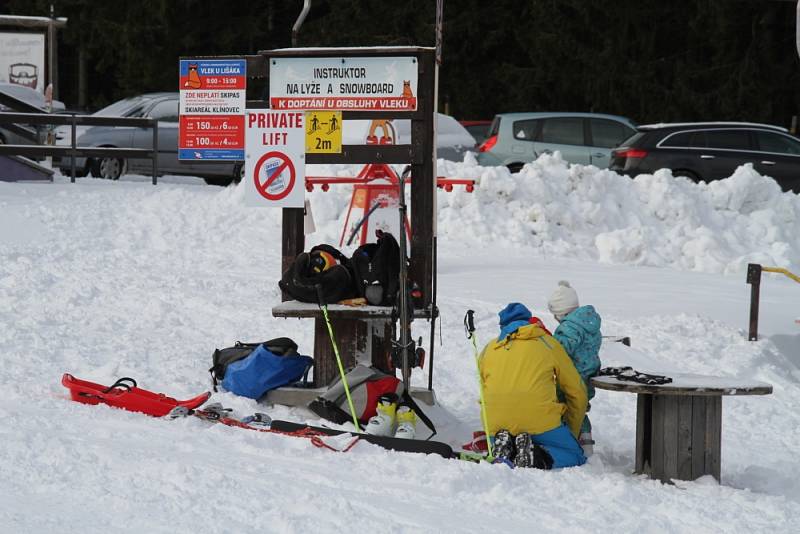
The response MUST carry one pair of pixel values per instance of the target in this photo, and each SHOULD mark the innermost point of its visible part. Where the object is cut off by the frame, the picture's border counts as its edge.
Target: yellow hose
(781, 271)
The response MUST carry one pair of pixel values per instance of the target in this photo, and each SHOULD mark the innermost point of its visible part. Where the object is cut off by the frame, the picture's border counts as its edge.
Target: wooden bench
(679, 425)
(363, 335)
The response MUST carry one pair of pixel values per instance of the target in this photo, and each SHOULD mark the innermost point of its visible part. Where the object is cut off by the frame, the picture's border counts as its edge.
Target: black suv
(706, 151)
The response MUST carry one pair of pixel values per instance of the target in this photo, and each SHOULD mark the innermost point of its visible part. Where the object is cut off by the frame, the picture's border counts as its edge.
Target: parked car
(477, 129)
(452, 139)
(705, 151)
(585, 138)
(34, 98)
(161, 106)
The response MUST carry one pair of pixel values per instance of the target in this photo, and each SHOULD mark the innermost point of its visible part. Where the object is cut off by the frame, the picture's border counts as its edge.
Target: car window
(166, 111)
(495, 127)
(525, 130)
(562, 131)
(478, 131)
(728, 139)
(120, 108)
(632, 140)
(607, 133)
(678, 140)
(777, 143)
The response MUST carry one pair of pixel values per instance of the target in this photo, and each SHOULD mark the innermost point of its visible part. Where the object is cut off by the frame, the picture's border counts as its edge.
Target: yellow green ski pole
(469, 326)
(324, 308)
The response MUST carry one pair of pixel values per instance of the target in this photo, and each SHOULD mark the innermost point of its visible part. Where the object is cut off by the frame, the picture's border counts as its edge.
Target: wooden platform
(363, 335)
(679, 425)
(302, 396)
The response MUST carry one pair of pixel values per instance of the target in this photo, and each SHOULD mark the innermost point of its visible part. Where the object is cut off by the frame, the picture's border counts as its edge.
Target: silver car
(585, 138)
(161, 106)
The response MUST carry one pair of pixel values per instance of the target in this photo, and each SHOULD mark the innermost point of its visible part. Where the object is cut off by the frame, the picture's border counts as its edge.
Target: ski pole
(324, 308)
(469, 326)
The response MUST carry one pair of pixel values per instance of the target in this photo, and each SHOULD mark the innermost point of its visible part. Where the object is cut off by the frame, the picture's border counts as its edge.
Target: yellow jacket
(520, 376)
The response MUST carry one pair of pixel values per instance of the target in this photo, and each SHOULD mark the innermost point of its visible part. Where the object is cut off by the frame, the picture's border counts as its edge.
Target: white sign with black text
(275, 167)
(343, 83)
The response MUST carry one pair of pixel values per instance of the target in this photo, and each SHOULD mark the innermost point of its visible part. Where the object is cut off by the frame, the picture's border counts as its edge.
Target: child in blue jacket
(579, 333)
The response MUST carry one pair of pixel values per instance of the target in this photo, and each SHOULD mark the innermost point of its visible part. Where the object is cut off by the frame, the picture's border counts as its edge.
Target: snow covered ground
(103, 279)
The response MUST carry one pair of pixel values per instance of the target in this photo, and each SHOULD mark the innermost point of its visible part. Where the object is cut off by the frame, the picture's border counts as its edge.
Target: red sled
(125, 395)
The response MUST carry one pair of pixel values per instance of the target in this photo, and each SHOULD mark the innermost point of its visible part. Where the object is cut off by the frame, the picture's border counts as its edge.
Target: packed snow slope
(108, 279)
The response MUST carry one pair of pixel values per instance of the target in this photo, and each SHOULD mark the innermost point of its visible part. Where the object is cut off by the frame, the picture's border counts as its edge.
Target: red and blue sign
(212, 109)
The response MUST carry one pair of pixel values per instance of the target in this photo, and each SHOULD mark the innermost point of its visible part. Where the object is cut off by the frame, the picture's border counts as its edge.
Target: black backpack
(325, 266)
(376, 268)
(222, 358)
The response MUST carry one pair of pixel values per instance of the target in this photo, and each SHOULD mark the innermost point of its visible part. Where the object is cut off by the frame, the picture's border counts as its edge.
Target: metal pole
(299, 21)
(51, 50)
(403, 295)
(72, 155)
(754, 279)
(797, 29)
(155, 151)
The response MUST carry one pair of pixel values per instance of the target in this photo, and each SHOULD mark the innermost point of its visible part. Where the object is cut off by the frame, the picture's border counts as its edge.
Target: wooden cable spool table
(679, 425)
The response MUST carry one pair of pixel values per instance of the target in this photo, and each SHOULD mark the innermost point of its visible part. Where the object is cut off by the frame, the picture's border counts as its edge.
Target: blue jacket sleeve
(570, 338)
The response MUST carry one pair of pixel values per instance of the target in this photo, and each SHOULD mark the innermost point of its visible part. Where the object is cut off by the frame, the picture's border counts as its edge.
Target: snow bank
(109, 279)
(555, 210)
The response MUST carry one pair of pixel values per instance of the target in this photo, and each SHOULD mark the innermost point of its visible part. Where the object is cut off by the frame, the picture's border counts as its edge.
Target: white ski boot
(406, 423)
(382, 423)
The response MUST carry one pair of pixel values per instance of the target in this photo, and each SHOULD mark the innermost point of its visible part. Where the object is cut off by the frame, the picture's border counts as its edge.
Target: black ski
(395, 444)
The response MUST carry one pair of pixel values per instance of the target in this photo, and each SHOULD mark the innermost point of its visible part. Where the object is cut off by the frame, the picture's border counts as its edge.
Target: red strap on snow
(317, 441)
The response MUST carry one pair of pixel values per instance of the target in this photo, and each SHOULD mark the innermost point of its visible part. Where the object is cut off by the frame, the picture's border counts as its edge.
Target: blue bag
(262, 371)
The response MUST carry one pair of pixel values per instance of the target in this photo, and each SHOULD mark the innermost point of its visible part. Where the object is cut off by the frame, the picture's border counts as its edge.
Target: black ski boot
(503, 448)
(524, 447)
(530, 454)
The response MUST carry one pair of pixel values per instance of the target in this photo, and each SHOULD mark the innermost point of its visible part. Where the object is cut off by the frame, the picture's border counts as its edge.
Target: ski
(387, 442)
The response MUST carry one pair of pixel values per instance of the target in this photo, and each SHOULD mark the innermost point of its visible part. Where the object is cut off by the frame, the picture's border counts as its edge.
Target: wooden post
(325, 366)
(293, 240)
(423, 185)
(686, 440)
(754, 279)
(644, 433)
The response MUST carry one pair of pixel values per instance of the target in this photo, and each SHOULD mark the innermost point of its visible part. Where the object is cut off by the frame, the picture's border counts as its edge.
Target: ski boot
(258, 420)
(503, 448)
(530, 454)
(406, 423)
(382, 423)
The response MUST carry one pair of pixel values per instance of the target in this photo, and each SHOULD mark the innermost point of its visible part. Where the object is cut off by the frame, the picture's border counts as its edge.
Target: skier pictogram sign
(275, 159)
(323, 132)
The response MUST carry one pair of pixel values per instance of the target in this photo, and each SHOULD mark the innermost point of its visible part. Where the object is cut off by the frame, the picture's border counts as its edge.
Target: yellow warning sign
(323, 132)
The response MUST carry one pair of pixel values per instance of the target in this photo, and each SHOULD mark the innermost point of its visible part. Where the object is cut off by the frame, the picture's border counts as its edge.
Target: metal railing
(754, 279)
(72, 151)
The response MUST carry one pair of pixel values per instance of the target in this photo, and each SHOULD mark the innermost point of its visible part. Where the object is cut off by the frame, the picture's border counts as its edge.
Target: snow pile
(657, 220)
(556, 210)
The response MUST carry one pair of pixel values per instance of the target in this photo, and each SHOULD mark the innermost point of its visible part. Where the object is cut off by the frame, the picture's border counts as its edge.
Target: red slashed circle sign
(274, 176)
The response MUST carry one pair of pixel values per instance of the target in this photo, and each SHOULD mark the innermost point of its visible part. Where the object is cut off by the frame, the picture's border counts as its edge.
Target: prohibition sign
(273, 174)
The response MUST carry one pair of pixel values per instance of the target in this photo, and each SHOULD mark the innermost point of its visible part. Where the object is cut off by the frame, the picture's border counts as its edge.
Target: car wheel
(108, 168)
(514, 168)
(682, 173)
(216, 180)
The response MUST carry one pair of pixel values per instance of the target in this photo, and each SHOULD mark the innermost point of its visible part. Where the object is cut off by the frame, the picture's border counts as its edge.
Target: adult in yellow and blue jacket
(521, 371)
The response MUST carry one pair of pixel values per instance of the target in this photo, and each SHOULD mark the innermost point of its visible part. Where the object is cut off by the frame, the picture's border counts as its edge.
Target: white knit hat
(563, 300)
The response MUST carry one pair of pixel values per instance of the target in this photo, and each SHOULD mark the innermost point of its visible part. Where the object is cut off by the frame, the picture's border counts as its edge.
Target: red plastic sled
(125, 395)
